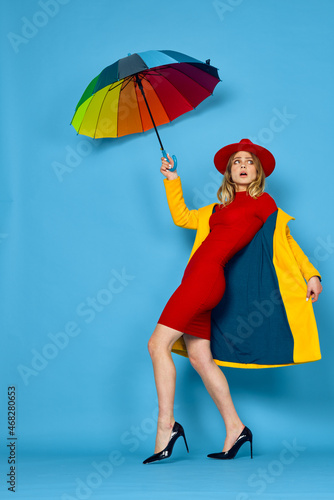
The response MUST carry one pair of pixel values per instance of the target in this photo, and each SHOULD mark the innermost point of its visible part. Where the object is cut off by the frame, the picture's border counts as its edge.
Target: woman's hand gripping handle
(166, 165)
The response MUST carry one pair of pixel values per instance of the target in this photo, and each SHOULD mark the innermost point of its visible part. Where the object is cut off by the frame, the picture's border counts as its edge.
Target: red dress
(203, 284)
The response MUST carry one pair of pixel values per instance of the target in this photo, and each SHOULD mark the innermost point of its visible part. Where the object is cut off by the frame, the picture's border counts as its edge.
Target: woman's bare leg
(160, 347)
(200, 356)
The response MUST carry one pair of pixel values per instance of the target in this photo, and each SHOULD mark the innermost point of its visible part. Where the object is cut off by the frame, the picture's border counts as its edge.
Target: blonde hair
(227, 190)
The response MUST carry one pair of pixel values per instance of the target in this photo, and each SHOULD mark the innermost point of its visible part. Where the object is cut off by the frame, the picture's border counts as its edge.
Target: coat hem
(230, 364)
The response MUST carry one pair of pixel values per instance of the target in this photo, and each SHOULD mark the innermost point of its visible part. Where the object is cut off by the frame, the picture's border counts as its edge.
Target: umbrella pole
(155, 128)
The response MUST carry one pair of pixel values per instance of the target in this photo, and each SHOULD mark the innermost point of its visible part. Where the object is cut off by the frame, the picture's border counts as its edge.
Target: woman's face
(243, 170)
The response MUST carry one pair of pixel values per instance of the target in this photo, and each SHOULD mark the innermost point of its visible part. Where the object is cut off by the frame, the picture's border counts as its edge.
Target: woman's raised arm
(181, 215)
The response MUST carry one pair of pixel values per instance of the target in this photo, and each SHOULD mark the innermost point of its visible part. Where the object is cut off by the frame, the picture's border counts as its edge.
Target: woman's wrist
(315, 276)
(172, 176)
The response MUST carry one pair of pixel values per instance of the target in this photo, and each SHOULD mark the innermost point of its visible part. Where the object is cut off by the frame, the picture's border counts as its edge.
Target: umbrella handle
(164, 154)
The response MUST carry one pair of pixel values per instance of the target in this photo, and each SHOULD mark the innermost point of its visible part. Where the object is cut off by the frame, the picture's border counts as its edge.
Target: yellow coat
(292, 268)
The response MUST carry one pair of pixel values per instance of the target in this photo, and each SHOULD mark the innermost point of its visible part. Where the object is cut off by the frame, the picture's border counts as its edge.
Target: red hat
(266, 158)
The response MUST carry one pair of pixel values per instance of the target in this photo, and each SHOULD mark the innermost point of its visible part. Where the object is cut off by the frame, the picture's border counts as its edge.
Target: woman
(243, 210)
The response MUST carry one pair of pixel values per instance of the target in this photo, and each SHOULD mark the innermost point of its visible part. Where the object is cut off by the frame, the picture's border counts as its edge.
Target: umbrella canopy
(142, 91)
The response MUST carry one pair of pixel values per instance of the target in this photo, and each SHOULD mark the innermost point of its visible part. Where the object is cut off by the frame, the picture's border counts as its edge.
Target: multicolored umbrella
(142, 91)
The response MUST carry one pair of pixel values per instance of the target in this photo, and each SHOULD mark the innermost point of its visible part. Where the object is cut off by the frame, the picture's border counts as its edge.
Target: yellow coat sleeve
(307, 269)
(181, 215)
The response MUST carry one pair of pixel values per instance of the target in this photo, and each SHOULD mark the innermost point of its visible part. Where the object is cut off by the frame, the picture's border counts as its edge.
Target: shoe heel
(185, 441)
(251, 447)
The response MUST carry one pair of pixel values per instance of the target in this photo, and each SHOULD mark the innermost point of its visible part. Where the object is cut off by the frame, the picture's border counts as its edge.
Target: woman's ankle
(235, 427)
(165, 423)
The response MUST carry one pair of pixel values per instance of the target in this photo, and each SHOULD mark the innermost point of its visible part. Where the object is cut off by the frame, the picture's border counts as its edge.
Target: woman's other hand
(166, 166)
(314, 288)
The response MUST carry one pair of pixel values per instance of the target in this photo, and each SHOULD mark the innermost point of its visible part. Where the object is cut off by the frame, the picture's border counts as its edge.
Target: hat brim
(266, 158)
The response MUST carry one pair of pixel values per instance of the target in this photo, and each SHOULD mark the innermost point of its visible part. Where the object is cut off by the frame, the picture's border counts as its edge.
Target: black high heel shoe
(177, 431)
(245, 436)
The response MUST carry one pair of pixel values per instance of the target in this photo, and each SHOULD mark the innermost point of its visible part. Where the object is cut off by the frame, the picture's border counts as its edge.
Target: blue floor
(288, 473)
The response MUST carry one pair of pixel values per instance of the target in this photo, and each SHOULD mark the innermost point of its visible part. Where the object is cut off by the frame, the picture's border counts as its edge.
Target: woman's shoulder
(266, 206)
(265, 195)
(266, 198)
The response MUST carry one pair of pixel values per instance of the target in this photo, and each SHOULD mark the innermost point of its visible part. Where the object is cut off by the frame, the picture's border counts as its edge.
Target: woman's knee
(152, 345)
(199, 352)
(200, 361)
(162, 339)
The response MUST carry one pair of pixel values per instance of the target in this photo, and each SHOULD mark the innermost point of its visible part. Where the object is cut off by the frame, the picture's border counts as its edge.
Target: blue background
(64, 236)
